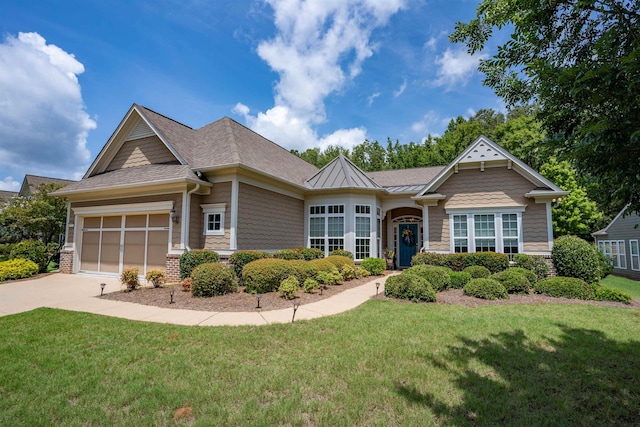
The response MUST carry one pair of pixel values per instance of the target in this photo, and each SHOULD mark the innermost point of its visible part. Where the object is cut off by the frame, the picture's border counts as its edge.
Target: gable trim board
(265, 196)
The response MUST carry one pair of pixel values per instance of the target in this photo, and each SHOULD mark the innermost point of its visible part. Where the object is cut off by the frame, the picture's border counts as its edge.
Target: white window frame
(497, 213)
(615, 250)
(464, 219)
(329, 243)
(361, 239)
(212, 210)
(635, 255)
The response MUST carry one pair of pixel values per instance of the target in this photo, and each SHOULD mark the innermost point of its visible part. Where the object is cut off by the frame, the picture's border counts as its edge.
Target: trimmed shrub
(486, 289)
(477, 271)
(513, 281)
(530, 275)
(523, 261)
(211, 279)
(33, 250)
(604, 293)
(306, 254)
(129, 278)
(409, 286)
(341, 252)
(241, 258)
(264, 275)
(574, 257)
(17, 268)
(535, 263)
(375, 266)
(567, 287)
(348, 272)
(459, 279)
(457, 262)
(429, 258)
(495, 262)
(155, 277)
(311, 253)
(191, 259)
(186, 284)
(605, 264)
(310, 286)
(332, 277)
(361, 272)
(289, 287)
(323, 265)
(438, 277)
(340, 261)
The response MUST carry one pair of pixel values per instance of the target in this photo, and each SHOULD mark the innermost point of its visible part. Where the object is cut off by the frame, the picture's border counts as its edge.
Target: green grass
(629, 286)
(383, 363)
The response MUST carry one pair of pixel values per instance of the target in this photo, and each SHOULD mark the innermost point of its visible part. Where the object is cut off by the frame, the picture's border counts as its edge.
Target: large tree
(579, 61)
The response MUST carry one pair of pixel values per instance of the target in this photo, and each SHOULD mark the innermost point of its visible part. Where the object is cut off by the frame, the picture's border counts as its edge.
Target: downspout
(186, 213)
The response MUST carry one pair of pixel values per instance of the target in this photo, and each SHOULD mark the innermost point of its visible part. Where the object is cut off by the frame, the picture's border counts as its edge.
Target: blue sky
(304, 74)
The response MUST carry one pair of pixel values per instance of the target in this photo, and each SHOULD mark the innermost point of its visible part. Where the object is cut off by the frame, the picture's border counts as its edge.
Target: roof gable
(32, 182)
(341, 173)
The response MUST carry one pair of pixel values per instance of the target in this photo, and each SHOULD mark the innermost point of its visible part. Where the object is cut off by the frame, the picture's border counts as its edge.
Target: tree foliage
(579, 60)
(39, 216)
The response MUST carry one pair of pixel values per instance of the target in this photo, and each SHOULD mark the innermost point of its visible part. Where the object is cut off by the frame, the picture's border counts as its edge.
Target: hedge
(241, 258)
(514, 281)
(477, 271)
(264, 275)
(493, 261)
(459, 279)
(17, 268)
(567, 287)
(306, 254)
(438, 277)
(191, 259)
(340, 261)
(341, 252)
(211, 279)
(409, 286)
(489, 289)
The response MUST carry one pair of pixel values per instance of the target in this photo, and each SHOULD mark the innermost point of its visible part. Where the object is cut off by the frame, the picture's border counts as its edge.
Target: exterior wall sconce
(175, 218)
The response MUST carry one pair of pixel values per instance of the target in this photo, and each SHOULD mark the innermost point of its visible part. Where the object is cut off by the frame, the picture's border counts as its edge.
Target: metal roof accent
(341, 173)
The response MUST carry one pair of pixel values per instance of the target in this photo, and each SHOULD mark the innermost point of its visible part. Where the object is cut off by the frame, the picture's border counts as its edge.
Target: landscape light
(377, 287)
(102, 285)
(258, 297)
(295, 308)
(171, 292)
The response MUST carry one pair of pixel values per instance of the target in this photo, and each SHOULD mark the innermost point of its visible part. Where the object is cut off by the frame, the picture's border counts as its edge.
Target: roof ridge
(235, 153)
(163, 116)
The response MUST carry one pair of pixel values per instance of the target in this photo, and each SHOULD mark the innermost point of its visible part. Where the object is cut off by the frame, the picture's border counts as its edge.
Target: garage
(111, 243)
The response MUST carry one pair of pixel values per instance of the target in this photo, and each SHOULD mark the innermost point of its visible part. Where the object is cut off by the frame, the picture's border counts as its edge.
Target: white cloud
(430, 124)
(319, 46)
(431, 43)
(10, 184)
(43, 122)
(401, 89)
(456, 67)
(372, 97)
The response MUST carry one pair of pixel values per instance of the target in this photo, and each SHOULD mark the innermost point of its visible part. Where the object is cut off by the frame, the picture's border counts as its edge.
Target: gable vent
(142, 130)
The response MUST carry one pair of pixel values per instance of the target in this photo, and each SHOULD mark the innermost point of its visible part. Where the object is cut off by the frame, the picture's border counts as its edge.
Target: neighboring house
(620, 242)
(158, 188)
(5, 196)
(30, 183)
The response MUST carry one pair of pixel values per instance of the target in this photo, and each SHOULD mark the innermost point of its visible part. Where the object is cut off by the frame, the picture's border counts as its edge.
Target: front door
(408, 243)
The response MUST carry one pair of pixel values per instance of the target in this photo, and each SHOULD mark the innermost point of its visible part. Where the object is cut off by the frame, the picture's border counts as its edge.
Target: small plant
(489, 289)
(289, 287)
(310, 286)
(155, 277)
(604, 293)
(567, 287)
(375, 266)
(478, 271)
(129, 278)
(186, 284)
(332, 277)
(459, 279)
(514, 281)
(341, 252)
(409, 286)
(211, 279)
(348, 272)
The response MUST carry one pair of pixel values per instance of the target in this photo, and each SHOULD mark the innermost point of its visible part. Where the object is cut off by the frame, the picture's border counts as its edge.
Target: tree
(579, 60)
(576, 214)
(39, 216)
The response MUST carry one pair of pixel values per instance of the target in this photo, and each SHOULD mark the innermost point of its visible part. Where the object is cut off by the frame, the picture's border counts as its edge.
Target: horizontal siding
(624, 228)
(269, 220)
(140, 152)
(534, 225)
(439, 236)
(220, 193)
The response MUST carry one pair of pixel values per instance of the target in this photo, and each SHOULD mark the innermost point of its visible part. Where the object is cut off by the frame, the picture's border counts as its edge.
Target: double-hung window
(510, 234)
(634, 251)
(460, 234)
(326, 227)
(214, 219)
(363, 231)
(484, 231)
(615, 251)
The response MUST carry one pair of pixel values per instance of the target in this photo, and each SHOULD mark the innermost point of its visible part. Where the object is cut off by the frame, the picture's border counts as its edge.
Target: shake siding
(438, 229)
(139, 152)
(534, 225)
(268, 220)
(220, 193)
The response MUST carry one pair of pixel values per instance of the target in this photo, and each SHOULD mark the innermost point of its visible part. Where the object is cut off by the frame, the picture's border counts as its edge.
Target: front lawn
(629, 286)
(384, 363)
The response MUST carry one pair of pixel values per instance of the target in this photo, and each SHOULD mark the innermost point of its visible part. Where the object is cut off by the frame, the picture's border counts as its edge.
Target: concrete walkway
(77, 292)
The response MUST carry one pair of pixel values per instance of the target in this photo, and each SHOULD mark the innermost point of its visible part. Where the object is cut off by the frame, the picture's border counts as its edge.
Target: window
(326, 227)
(510, 234)
(460, 234)
(363, 231)
(485, 233)
(615, 251)
(214, 219)
(634, 251)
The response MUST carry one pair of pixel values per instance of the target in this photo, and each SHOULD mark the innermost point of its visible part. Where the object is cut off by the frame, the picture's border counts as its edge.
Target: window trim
(322, 211)
(214, 209)
(497, 213)
(619, 254)
(636, 255)
(357, 215)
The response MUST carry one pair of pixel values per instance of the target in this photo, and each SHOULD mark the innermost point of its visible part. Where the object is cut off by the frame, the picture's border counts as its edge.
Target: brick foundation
(172, 270)
(66, 262)
(552, 268)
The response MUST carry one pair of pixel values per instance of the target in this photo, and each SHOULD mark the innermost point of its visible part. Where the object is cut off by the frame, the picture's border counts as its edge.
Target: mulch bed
(242, 301)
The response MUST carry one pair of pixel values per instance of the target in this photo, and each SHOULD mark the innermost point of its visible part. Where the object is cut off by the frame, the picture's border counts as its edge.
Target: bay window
(326, 227)
(363, 231)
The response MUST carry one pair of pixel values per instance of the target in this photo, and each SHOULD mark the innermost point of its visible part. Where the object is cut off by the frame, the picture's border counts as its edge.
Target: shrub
(567, 287)
(438, 277)
(289, 287)
(332, 277)
(361, 272)
(306, 254)
(339, 261)
(186, 284)
(456, 262)
(348, 272)
(429, 258)
(535, 263)
(341, 252)
(459, 279)
(33, 250)
(513, 281)
(486, 289)
(211, 279)
(17, 268)
(264, 275)
(191, 259)
(241, 258)
(322, 265)
(409, 286)
(5, 251)
(574, 257)
(310, 285)
(530, 275)
(604, 293)
(129, 278)
(155, 277)
(375, 266)
(493, 261)
(605, 264)
(477, 271)
(523, 261)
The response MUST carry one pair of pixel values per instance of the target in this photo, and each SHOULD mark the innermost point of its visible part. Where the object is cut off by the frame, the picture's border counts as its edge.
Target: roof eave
(164, 182)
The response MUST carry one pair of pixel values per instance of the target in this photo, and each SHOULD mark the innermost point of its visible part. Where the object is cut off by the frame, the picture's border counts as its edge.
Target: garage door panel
(110, 252)
(134, 250)
(157, 249)
(90, 250)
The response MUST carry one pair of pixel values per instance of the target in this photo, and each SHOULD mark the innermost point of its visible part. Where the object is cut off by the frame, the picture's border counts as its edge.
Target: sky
(304, 74)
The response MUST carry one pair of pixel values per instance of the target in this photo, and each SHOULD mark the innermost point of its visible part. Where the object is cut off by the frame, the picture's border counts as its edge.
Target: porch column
(425, 227)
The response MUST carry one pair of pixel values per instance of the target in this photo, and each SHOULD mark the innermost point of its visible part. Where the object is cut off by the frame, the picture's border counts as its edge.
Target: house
(30, 183)
(619, 241)
(6, 195)
(159, 188)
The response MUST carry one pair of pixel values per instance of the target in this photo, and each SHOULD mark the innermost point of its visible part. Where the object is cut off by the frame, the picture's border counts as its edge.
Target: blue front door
(407, 243)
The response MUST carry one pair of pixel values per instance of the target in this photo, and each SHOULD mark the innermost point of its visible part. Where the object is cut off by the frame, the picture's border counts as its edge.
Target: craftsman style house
(159, 188)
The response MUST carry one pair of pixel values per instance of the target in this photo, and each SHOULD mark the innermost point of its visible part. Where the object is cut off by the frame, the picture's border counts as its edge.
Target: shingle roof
(341, 173)
(405, 177)
(6, 195)
(32, 182)
(147, 174)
